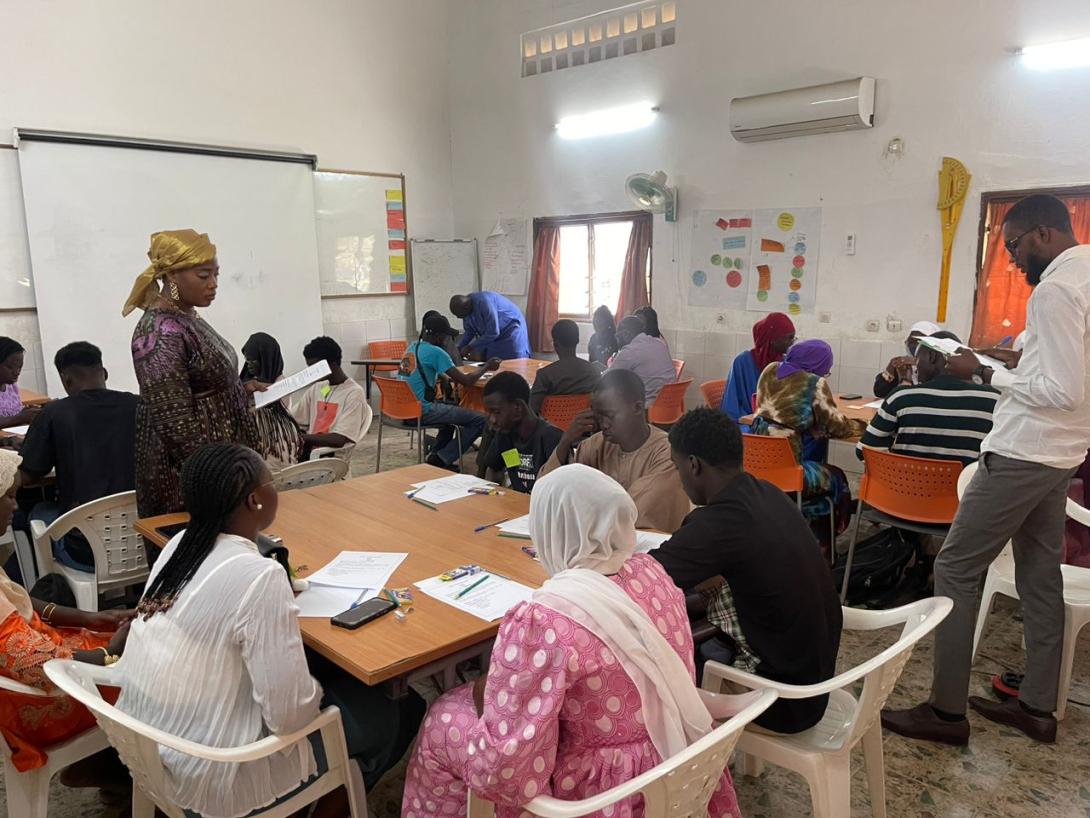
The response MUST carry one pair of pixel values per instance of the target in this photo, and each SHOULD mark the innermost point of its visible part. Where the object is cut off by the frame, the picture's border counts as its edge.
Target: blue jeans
(68, 550)
(447, 416)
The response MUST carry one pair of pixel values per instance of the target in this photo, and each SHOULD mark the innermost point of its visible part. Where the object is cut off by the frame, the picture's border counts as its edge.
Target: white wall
(946, 86)
(361, 83)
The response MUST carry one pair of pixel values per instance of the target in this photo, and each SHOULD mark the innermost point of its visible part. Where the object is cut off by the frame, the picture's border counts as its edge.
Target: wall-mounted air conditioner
(837, 106)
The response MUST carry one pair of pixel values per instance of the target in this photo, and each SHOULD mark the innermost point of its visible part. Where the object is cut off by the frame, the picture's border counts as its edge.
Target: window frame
(590, 220)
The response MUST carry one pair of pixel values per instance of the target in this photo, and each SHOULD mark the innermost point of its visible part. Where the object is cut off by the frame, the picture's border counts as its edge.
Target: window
(592, 256)
(999, 309)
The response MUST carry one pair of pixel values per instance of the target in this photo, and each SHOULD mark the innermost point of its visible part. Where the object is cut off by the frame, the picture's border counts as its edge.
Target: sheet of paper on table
(948, 346)
(488, 601)
(300, 380)
(874, 404)
(328, 600)
(445, 489)
(518, 527)
(17, 430)
(358, 570)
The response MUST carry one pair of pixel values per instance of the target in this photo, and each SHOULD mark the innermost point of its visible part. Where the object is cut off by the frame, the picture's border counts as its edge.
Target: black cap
(437, 324)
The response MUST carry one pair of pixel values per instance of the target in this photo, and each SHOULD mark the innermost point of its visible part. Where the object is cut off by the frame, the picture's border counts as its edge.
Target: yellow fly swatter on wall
(953, 185)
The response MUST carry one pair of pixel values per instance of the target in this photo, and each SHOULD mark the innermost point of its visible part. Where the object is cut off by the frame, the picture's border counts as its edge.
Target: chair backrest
(679, 367)
(107, 525)
(311, 473)
(560, 410)
(396, 399)
(386, 349)
(678, 787)
(11, 686)
(669, 406)
(773, 460)
(912, 488)
(713, 392)
(966, 477)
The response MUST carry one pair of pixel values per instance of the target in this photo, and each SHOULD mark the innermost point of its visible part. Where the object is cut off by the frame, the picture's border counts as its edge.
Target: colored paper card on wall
(397, 264)
(396, 244)
(394, 196)
(399, 287)
(395, 221)
(394, 206)
(394, 235)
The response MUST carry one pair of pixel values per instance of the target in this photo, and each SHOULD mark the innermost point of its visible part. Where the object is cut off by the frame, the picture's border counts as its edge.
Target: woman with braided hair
(215, 655)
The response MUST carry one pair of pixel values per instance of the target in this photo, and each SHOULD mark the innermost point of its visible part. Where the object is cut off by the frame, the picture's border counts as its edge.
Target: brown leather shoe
(921, 722)
(1013, 714)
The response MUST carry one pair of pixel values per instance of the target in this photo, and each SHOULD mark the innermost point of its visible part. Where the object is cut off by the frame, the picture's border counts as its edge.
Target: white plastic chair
(138, 745)
(312, 473)
(1001, 580)
(679, 787)
(345, 452)
(28, 792)
(822, 754)
(107, 525)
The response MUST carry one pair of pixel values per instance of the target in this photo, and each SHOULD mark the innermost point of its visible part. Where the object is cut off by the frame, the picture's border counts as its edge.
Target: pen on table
(465, 591)
(1006, 340)
(480, 528)
(414, 492)
(391, 597)
(359, 599)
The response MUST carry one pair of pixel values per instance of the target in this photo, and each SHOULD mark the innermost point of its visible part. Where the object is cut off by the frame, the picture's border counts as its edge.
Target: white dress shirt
(224, 666)
(1043, 413)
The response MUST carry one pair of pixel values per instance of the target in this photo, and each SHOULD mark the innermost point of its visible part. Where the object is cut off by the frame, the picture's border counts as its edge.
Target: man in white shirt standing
(1039, 438)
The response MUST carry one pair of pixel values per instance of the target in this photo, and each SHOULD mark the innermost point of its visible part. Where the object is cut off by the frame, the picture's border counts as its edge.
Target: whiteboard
(361, 233)
(90, 211)
(16, 285)
(505, 260)
(442, 269)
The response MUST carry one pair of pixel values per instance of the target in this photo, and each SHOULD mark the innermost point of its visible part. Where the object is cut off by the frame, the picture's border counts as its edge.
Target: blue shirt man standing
(494, 326)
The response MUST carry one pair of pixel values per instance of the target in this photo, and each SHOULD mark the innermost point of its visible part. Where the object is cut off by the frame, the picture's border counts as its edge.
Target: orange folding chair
(398, 407)
(913, 493)
(773, 460)
(713, 392)
(669, 406)
(386, 349)
(679, 367)
(560, 410)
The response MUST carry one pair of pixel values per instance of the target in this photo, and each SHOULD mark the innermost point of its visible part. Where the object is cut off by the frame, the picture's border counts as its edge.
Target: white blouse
(224, 667)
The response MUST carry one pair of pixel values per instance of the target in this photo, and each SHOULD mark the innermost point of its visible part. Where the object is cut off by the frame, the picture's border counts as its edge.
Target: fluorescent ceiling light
(1056, 56)
(607, 121)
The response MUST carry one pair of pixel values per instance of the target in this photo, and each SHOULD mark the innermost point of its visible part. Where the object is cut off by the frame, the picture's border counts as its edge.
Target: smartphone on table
(363, 613)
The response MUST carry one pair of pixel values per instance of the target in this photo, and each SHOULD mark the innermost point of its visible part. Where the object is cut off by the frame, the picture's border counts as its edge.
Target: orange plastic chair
(398, 405)
(386, 349)
(669, 406)
(713, 392)
(560, 410)
(773, 460)
(914, 493)
(679, 367)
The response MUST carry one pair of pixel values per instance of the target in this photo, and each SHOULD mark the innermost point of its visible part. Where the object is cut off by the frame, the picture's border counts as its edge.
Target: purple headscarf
(815, 357)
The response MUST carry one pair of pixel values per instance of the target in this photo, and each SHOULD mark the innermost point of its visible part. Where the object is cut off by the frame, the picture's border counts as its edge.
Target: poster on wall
(720, 258)
(505, 258)
(784, 260)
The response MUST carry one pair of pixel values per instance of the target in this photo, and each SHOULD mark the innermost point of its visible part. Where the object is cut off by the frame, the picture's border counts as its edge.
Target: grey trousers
(1006, 500)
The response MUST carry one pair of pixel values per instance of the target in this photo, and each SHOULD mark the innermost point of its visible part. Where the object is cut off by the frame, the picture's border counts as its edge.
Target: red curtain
(634, 278)
(542, 308)
(1002, 291)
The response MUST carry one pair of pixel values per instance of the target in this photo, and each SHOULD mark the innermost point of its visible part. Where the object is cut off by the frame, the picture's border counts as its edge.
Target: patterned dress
(190, 395)
(561, 716)
(802, 408)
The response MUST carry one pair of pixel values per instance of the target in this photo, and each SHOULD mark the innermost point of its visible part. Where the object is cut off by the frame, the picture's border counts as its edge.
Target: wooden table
(370, 364)
(371, 513)
(32, 398)
(473, 396)
(854, 409)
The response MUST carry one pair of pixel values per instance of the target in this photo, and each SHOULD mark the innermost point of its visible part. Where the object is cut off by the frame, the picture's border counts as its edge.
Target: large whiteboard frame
(16, 277)
(342, 203)
(432, 292)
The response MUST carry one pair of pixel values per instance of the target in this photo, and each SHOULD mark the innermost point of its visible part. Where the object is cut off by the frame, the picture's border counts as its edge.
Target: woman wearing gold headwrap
(33, 632)
(190, 391)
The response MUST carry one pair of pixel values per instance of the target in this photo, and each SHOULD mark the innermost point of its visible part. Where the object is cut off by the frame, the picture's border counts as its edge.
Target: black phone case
(361, 614)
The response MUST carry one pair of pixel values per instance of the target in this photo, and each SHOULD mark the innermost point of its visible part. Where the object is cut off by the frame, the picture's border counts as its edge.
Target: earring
(175, 295)
(259, 506)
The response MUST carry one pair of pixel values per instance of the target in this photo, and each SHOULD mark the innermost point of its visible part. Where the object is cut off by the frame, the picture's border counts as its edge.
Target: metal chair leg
(419, 442)
(378, 455)
(461, 454)
(851, 551)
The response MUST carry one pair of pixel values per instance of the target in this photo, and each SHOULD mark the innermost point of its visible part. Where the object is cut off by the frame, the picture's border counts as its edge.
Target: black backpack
(879, 564)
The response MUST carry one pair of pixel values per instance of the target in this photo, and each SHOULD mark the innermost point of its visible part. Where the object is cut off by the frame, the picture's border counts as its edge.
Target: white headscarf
(13, 597)
(924, 328)
(583, 524)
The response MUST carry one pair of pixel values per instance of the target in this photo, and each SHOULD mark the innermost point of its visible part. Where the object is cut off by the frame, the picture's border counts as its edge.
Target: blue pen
(359, 599)
(1006, 340)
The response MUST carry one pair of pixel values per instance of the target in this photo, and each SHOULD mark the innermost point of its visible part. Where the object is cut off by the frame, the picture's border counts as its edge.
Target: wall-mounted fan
(650, 192)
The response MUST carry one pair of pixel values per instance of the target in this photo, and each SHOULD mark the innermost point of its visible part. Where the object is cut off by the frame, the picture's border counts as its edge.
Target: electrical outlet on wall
(825, 318)
(893, 324)
(873, 325)
(849, 244)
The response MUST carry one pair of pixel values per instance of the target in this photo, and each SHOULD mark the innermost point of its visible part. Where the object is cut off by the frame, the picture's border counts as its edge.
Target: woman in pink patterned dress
(591, 683)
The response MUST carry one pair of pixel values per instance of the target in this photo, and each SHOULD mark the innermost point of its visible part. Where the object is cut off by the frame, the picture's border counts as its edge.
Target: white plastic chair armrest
(1078, 513)
(723, 706)
(43, 547)
(12, 686)
(858, 619)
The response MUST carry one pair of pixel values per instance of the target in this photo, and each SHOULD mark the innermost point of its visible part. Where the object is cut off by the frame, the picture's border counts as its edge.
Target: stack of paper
(17, 430)
(948, 346)
(445, 489)
(300, 380)
(649, 540)
(518, 527)
(351, 578)
(489, 600)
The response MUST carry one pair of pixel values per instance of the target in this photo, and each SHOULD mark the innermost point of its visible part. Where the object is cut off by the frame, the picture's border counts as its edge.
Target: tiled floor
(1000, 775)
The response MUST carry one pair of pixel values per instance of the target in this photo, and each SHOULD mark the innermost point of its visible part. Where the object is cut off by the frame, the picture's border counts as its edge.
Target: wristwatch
(978, 374)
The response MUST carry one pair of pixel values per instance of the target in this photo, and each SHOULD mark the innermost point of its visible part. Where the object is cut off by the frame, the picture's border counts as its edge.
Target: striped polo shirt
(945, 419)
